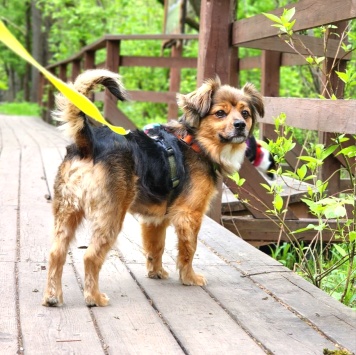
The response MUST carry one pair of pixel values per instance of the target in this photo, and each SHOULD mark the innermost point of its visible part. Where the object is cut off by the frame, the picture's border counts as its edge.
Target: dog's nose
(238, 124)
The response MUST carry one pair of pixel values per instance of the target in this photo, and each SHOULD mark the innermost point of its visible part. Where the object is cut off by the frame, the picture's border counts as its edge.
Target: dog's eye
(220, 114)
(245, 114)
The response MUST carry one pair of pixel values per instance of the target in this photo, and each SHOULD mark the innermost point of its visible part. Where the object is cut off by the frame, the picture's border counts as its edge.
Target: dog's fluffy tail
(71, 116)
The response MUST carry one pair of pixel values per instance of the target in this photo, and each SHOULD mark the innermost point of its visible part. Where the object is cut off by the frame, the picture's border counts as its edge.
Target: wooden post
(63, 72)
(50, 100)
(217, 56)
(331, 164)
(111, 111)
(75, 69)
(270, 78)
(174, 80)
(89, 60)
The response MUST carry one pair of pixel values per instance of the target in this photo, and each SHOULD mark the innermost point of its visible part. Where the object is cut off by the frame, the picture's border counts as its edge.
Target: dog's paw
(160, 274)
(100, 300)
(52, 301)
(193, 280)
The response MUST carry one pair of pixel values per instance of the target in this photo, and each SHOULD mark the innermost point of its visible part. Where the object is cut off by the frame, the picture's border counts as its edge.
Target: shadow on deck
(251, 305)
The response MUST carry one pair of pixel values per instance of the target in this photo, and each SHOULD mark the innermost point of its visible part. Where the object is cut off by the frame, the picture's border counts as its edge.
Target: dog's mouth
(233, 138)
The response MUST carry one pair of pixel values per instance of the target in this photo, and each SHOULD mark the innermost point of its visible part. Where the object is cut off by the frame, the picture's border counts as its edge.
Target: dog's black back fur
(147, 158)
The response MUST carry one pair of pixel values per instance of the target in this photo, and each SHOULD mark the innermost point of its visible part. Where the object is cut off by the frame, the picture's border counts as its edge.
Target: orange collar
(189, 140)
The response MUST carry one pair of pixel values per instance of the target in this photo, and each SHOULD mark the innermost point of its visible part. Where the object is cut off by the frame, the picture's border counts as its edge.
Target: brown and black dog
(166, 177)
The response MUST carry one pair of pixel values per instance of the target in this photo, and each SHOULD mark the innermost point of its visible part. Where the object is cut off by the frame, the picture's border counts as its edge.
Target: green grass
(20, 109)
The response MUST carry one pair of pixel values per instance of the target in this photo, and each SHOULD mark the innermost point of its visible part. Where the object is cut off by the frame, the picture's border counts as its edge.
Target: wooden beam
(314, 44)
(158, 62)
(313, 114)
(268, 230)
(309, 14)
(252, 191)
(101, 43)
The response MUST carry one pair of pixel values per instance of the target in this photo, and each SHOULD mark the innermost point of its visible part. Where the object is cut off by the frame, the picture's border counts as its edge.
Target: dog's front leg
(153, 239)
(187, 226)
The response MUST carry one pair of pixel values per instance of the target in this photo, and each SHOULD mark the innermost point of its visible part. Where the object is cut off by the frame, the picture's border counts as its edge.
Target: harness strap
(152, 131)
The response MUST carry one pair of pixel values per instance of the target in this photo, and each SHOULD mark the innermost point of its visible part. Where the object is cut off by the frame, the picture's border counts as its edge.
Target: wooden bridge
(251, 305)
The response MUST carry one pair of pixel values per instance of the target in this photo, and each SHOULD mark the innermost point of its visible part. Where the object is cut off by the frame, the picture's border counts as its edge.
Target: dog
(166, 178)
(260, 157)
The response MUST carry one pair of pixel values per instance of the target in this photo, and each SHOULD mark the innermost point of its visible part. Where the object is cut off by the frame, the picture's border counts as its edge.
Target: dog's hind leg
(187, 226)
(105, 232)
(64, 230)
(153, 239)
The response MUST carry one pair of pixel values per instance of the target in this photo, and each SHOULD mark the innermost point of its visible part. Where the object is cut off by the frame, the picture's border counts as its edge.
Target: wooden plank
(135, 326)
(200, 324)
(308, 14)
(315, 45)
(145, 96)
(294, 294)
(233, 300)
(100, 43)
(252, 191)
(9, 180)
(67, 329)
(323, 112)
(158, 62)
(330, 316)
(8, 321)
(263, 229)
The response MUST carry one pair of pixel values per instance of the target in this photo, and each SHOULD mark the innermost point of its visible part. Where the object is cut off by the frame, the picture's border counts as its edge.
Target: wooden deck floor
(252, 304)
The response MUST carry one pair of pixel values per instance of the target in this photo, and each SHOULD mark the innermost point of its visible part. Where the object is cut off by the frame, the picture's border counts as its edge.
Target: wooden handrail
(313, 114)
(309, 14)
(101, 43)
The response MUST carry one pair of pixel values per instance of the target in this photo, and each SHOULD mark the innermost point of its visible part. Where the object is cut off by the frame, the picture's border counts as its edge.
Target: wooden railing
(219, 33)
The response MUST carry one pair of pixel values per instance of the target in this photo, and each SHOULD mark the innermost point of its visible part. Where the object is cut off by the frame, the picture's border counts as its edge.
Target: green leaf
(302, 171)
(328, 151)
(310, 60)
(348, 151)
(267, 187)
(352, 236)
(278, 202)
(273, 18)
(343, 76)
(340, 250)
(318, 60)
(307, 228)
(333, 211)
(288, 14)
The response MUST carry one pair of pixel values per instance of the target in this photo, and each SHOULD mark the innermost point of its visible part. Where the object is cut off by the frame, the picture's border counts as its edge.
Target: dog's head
(222, 118)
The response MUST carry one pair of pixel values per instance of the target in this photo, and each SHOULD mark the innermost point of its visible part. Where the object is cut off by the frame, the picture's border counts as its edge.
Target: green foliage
(12, 13)
(20, 109)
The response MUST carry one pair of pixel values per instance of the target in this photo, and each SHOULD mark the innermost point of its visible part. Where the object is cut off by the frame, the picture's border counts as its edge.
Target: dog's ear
(256, 98)
(196, 105)
(255, 102)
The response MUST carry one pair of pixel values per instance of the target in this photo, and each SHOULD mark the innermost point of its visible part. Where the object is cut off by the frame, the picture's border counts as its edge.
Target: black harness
(153, 131)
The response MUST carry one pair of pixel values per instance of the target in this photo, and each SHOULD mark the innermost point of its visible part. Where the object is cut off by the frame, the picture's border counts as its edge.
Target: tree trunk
(37, 48)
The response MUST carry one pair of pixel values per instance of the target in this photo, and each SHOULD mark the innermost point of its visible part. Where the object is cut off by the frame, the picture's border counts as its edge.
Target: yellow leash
(79, 100)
